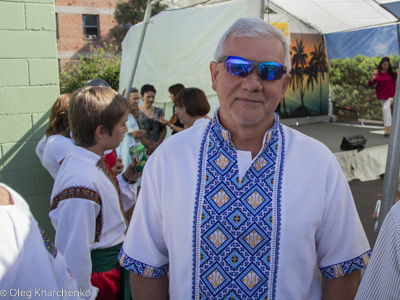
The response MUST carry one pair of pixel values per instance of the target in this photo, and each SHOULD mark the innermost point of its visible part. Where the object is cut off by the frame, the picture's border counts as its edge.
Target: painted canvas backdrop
(308, 92)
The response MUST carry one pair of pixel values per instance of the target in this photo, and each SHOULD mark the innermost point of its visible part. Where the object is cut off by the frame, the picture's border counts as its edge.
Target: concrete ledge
(61, 9)
(306, 120)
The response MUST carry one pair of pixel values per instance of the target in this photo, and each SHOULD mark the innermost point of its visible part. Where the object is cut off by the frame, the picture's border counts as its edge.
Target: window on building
(57, 26)
(91, 26)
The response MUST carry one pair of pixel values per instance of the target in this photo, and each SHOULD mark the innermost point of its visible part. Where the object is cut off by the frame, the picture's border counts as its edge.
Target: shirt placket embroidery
(236, 221)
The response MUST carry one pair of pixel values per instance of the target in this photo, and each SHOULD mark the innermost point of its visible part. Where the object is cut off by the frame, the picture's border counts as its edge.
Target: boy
(88, 201)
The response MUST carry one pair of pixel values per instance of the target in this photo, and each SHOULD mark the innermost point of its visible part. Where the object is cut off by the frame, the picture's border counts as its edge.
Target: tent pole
(146, 19)
(262, 10)
(390, 181)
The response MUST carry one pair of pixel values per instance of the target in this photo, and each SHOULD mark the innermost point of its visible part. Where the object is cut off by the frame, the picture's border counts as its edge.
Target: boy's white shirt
(74, 219)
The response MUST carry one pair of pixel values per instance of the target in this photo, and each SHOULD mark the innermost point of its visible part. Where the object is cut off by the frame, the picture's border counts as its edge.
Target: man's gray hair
(97, 82)
(253, 28)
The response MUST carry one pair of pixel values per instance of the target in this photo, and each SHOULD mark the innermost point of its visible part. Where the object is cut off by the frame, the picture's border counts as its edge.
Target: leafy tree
(103, 62)
(130, 13)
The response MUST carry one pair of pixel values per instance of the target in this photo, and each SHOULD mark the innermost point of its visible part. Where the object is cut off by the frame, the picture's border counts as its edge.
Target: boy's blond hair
(92, 106)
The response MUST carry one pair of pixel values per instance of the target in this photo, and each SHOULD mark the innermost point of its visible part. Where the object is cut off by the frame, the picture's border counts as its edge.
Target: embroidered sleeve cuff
(347, 267)
(140, 268)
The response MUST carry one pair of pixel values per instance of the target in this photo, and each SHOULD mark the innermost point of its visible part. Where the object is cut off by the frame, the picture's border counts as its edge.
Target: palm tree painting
(308, 92)
(299, 63)
(318, 59)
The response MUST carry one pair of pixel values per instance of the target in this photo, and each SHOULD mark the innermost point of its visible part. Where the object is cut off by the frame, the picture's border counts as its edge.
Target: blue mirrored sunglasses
(242, 67)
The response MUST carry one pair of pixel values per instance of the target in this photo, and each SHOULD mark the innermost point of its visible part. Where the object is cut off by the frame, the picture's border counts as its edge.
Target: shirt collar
(85, 155)
(226, 135)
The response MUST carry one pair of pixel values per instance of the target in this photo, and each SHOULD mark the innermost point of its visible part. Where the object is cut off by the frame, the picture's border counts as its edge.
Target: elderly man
(243, 207)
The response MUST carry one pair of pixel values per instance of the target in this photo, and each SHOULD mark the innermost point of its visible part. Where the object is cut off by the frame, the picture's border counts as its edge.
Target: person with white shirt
(88, 201)
(191, 108)
(211, 223)
(58, 140)
(30, 266)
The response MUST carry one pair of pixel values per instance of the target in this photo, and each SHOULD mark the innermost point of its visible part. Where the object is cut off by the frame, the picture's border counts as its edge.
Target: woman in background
(58, 140)
(134, 134)
(385, 79)
(174, 122)
(192, 107)
(147, 119)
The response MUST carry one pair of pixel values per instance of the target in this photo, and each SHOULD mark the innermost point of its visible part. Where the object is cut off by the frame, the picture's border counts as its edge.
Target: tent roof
(327, 16)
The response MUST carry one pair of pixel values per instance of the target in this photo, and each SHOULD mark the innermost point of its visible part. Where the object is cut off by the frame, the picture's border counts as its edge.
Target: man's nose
(252, 82)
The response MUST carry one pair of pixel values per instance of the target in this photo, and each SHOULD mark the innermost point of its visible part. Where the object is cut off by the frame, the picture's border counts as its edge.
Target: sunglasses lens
(271, 71)
(237, 67)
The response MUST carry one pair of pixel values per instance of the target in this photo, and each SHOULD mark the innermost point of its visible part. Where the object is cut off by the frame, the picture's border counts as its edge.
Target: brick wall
(71, 41)
(28, 88)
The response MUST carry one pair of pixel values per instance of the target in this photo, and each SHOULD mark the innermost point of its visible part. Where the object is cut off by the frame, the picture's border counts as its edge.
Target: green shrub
(103, 62)
(349, 80)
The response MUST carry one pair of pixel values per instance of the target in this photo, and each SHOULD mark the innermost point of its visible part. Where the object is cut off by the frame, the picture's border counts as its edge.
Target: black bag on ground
(353, 142)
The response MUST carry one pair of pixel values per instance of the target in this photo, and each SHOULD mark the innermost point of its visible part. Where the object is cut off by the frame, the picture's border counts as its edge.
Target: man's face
(249, 100)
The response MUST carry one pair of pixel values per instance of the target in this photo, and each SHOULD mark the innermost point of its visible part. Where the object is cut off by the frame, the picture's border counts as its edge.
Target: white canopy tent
(180, 43)
(326, 16)
(173, 54)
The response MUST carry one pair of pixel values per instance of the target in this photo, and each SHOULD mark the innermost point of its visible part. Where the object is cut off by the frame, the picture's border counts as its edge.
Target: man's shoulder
(395, 215)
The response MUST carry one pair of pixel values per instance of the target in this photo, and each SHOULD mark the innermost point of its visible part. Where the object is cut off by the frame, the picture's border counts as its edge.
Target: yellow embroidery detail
(269, 259)
(260, 163)
(338, 270)
(255, 200)
(217, 238)
(222, 161)
(148, 272)
(225, 135)
(234, 259)
(365, 258)
(215, 279)
(251, 279)
(122, 258)
(237, 219)
(253, 239)
(221, 198)
(269, 136)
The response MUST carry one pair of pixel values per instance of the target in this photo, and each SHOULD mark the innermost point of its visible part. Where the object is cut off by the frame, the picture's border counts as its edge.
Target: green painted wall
(28, 88)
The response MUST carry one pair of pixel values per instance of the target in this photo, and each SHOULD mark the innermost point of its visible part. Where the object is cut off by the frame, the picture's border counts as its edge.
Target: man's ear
(214, 73)
(99, 132)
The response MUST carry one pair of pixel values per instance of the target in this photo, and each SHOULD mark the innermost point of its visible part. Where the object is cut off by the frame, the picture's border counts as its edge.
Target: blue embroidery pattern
(347, 267)
(140, 268)
(48, 243)
(233, 240)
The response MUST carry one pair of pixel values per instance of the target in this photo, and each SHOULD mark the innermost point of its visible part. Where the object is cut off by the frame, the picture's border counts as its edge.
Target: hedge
(349, 80)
